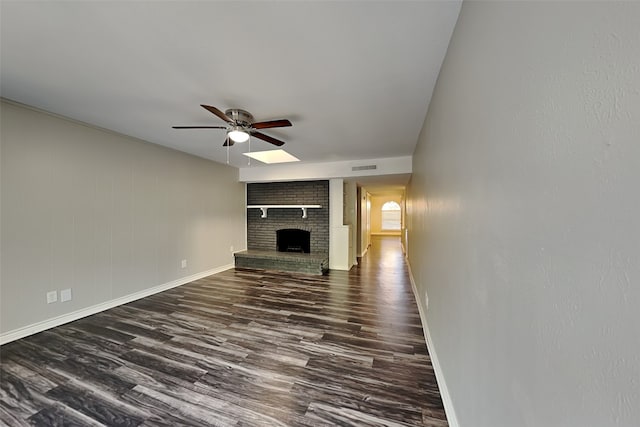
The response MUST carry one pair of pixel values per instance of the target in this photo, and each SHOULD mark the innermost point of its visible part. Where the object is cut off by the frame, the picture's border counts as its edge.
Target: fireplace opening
(293, 240)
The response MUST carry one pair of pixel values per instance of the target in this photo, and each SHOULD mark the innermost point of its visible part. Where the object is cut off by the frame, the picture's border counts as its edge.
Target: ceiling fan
(240, 126)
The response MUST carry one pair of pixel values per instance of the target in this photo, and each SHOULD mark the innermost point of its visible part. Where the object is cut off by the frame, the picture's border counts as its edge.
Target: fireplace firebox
(293, 240)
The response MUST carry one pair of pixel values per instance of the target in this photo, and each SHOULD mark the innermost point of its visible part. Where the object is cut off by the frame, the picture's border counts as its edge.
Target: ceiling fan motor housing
(241, 117)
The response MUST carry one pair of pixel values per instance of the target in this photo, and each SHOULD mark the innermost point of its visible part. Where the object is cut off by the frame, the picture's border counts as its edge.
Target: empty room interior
(320, 213)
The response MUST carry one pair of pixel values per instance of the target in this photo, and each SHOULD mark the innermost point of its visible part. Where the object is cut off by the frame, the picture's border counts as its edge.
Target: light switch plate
(52, 297)
(65, 295)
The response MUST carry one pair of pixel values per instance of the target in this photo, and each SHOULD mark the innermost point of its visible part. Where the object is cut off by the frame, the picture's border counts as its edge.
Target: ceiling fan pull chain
(227, 148)
(249, 150)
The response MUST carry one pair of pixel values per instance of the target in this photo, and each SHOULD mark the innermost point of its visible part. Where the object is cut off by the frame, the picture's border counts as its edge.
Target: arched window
(391, 217)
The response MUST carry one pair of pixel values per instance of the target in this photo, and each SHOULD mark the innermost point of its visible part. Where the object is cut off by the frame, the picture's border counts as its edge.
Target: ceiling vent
(364, 168)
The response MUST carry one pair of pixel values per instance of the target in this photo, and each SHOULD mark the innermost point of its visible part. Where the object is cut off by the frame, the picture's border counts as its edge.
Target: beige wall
(376, 212)
(524, 215)
(104, 215)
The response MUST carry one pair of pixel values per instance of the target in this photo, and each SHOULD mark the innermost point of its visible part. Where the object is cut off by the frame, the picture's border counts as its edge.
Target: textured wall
(524, 215)
(261, 232)
(105, 215)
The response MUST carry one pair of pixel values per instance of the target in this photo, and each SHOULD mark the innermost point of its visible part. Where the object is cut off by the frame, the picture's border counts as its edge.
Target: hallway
(243, 347)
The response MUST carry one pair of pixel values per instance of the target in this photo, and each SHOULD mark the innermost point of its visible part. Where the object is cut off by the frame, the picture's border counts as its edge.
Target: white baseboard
(442, 385)
(34, 328)
(364, 252)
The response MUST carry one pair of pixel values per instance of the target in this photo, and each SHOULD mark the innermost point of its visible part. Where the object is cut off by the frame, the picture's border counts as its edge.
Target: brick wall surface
(261, 232)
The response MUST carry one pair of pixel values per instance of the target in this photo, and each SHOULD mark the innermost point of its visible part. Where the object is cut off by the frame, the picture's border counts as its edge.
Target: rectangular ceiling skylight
(272, 156)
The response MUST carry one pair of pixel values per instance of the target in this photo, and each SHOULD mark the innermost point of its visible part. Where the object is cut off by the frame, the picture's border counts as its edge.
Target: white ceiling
(355, 78)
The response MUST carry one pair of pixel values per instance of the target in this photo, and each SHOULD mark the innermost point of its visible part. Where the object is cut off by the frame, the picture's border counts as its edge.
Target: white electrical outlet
(426, 300)
(184, 263)
(65, 295)
(52, 297)
(231, 248)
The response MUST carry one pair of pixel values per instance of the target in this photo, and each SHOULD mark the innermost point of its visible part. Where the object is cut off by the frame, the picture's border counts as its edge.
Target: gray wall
(524, 215)
(261, 232)
(104, 214)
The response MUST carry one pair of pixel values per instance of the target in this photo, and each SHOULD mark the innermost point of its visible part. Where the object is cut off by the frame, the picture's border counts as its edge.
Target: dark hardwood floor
(239, 348)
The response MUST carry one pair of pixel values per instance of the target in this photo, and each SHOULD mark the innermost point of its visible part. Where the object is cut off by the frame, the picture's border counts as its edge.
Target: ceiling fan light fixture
(238, 134)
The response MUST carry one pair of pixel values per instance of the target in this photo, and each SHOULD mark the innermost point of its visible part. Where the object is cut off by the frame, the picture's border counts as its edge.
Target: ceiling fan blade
(217, 112)
(199, 127)
(272, 124)
(267, 138)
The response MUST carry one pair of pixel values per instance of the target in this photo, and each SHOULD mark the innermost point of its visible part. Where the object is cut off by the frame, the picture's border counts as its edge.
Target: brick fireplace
(262, 233)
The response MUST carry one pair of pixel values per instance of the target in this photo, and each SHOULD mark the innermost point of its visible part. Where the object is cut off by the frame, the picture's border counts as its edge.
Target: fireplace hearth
(293, 240)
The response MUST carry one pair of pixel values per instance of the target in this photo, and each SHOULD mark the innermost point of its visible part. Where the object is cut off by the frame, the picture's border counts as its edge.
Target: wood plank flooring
(239, 348)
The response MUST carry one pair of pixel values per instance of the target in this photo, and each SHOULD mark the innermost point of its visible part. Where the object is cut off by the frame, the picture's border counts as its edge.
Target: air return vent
(364, 168)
